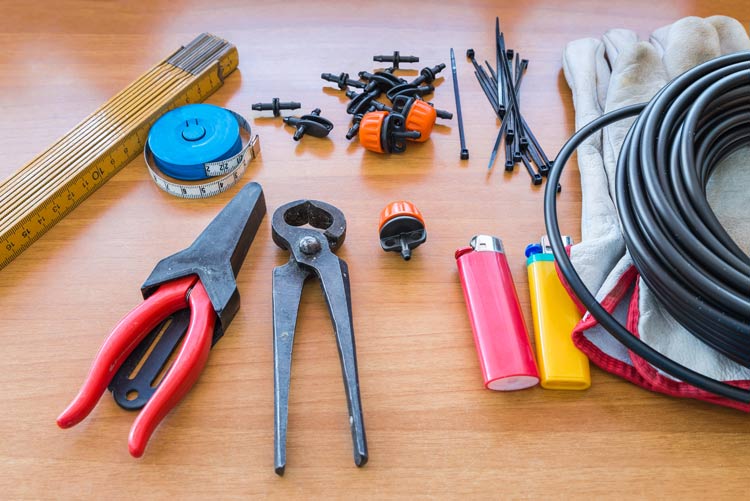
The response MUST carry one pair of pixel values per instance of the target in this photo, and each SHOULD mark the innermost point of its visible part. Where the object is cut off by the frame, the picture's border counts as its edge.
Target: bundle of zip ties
(502, 86)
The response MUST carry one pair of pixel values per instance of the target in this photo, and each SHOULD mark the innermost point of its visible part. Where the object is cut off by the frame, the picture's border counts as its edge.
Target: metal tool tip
(280, 470)
(464, 154)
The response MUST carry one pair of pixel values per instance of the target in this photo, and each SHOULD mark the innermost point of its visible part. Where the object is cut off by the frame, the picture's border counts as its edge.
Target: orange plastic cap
(369, 130)
(421, 118)
(398, 209)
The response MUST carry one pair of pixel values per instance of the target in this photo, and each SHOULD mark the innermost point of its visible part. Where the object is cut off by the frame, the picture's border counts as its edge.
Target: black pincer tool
(312, 256)
(192, 295)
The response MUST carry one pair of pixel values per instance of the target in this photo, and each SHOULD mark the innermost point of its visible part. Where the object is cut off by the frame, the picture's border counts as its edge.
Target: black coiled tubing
(682, 252)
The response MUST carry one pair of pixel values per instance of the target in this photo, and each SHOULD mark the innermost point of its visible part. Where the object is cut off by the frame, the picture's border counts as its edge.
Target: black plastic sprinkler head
(361, 102)
(276, 106)
(409, 90)
(381, 80)
(415, 87)
(342, 81)
(312, 125)
(402, 228)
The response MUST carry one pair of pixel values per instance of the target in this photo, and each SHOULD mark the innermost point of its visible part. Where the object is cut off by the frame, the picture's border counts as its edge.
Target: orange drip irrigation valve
(419, 115)
(384, 132)
(402, 228)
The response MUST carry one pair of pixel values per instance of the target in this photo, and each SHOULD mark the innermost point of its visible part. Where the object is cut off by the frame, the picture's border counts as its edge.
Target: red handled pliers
(186, 292)
(201, 278)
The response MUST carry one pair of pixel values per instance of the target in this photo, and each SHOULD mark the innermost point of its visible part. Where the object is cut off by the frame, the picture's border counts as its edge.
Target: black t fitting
(276, 106)
(312, 125)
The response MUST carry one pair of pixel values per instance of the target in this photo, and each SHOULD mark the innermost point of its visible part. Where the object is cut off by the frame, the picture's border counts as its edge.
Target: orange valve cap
(370, 128)
(401, 228)
(421, 117)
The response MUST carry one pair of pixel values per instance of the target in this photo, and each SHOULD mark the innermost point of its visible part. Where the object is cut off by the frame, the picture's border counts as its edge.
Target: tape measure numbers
(46, 189)
(198, 142)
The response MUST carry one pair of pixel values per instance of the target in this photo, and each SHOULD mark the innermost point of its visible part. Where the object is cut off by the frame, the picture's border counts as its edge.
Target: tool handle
(187, 367)
(500, 335)
(126, 335)
(337, 292)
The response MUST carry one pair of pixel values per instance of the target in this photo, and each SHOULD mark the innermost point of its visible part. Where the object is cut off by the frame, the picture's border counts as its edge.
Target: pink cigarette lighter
(494, 311)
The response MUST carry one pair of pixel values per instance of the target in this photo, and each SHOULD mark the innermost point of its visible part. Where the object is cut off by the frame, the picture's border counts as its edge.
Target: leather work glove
(604, 75)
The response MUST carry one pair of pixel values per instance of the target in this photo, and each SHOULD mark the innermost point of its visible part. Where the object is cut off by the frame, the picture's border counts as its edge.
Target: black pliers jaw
(311, 255)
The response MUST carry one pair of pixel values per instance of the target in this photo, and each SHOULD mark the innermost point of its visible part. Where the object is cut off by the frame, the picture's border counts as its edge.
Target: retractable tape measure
(46, 189)
(198, 142)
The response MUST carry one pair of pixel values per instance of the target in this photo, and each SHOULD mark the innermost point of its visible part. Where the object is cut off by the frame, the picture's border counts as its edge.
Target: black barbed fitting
(445, 115)
(403, 104)
(396, 59)
(356, 119)
(360, 102)
(354, 129)
(342, 81)
(383, 80)
(312, 125)
(276, 106)
(409, 90)
(377, 105)
(394, 133)
(428, 75)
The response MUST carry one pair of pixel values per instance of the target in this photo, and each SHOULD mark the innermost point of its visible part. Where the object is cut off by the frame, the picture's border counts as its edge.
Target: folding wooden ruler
(51, 185)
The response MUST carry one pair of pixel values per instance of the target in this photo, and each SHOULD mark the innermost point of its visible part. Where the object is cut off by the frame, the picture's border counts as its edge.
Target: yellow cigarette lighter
(562, 366)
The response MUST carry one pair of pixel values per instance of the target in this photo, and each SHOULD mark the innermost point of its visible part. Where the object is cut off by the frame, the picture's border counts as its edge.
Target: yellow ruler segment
(51, 185)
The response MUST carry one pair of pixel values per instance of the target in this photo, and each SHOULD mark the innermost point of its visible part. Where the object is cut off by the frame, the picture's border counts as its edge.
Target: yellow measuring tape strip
(46, 189)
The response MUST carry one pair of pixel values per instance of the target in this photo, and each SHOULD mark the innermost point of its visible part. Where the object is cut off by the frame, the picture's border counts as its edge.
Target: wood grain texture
(433, 431)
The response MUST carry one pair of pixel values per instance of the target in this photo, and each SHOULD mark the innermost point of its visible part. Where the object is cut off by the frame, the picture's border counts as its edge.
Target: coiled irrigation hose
(694, 268)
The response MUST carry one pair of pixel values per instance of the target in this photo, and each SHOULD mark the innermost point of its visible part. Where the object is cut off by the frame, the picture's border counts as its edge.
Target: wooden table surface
(432, 429)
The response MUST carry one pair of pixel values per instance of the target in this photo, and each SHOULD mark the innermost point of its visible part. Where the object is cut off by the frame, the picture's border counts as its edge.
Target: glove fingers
(617, 40)
(731, 33)
(637, 75)
(587, 73)
(659, 39)
(690, 41)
